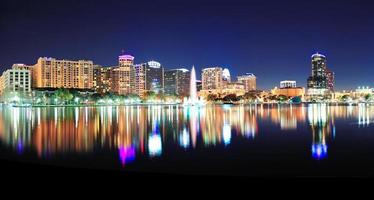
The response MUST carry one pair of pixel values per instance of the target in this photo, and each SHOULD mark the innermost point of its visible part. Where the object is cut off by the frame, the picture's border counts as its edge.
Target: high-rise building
(16, 80)
(154, 77)
(22, 66)
(321, 80)
(212, 78)
(140, 79)
(96, 76)
(249, 80)
(148, 77)
(226, 77)
(330, 80)
(53, 73)
(102, 79)
(318, 79)
(177, 82)
(123, 76)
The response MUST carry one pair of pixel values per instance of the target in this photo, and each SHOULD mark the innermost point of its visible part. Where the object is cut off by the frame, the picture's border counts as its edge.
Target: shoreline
(176, 104)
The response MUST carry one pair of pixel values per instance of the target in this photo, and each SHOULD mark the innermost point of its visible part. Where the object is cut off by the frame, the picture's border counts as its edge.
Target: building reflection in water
(322, 124)
(364, 115)
(133, 131)
(287, 116)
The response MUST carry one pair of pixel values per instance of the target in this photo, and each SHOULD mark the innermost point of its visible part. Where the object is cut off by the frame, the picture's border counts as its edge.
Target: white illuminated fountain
(193, 100)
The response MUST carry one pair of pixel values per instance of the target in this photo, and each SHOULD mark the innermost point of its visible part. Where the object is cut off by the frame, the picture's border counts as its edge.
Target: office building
(212, 78)
(102, 79)
(249, 80)
(226, 77)
(330, 80)
(123, 76)
(177, 82)
(16, 80)
(321, 81)
(149, 77)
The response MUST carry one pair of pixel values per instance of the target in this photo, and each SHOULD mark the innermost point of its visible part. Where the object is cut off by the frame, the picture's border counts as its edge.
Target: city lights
(201, 88)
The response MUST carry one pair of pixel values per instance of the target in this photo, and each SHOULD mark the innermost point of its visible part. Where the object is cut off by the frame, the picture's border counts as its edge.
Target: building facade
(212, 78)
(102, 79)
(287, 84)
(53, 73)
(16, 80)
(123, 76)
(149, 77)
(177, 82)
(140, 79)
(226, 77)
(154, 77)
(231, 88)
(249, 82)
(289, 92)
(330, 80)
(321, 81)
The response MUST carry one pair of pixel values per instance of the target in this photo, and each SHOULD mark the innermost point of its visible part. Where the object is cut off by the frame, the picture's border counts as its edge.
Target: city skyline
(135, 64)
(270, 39)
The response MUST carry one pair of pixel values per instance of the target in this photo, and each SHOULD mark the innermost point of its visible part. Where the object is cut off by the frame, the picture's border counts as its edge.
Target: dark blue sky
(272, 38)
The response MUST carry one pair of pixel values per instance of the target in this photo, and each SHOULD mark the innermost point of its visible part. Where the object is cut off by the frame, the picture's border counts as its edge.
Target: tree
(368, 97)
(296, 99)
(231, 98)
(345, 98)
(96, 97)
(212, 97)
(63, 95)
(149, 95)
(282, 98)
(250, 96)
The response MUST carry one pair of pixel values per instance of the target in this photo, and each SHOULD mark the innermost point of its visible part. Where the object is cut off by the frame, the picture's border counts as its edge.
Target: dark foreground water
(262, 140)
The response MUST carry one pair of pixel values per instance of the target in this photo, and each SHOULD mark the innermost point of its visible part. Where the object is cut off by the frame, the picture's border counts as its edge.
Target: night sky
(272, 38)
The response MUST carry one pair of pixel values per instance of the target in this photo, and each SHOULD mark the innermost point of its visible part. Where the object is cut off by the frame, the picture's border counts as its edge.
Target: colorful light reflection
(155, 145)
(184, 139)
(319, 151)
(126, 155)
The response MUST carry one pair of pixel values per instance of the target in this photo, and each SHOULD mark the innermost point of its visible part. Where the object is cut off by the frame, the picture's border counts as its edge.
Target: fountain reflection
(136, 131)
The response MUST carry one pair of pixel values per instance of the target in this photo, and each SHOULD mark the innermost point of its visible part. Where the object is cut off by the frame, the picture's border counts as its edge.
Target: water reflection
(321, 123)
(135, 131)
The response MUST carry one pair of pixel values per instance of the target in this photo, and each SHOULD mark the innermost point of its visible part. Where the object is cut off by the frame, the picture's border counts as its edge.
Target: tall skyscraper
(102, 79)
(140, 74)
(148, 77)
(177, 82)
(53, 73)
(318, 79)
(321, 80)
(123, 76)
(96, 76)
(212, 78)
(249, 80)
(154, 77)
(330, 80)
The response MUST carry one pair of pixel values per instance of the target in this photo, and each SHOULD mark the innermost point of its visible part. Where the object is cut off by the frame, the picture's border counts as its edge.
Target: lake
(253, 140)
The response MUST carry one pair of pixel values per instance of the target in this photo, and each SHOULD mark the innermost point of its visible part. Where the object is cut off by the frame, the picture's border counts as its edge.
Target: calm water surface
(257, 140)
